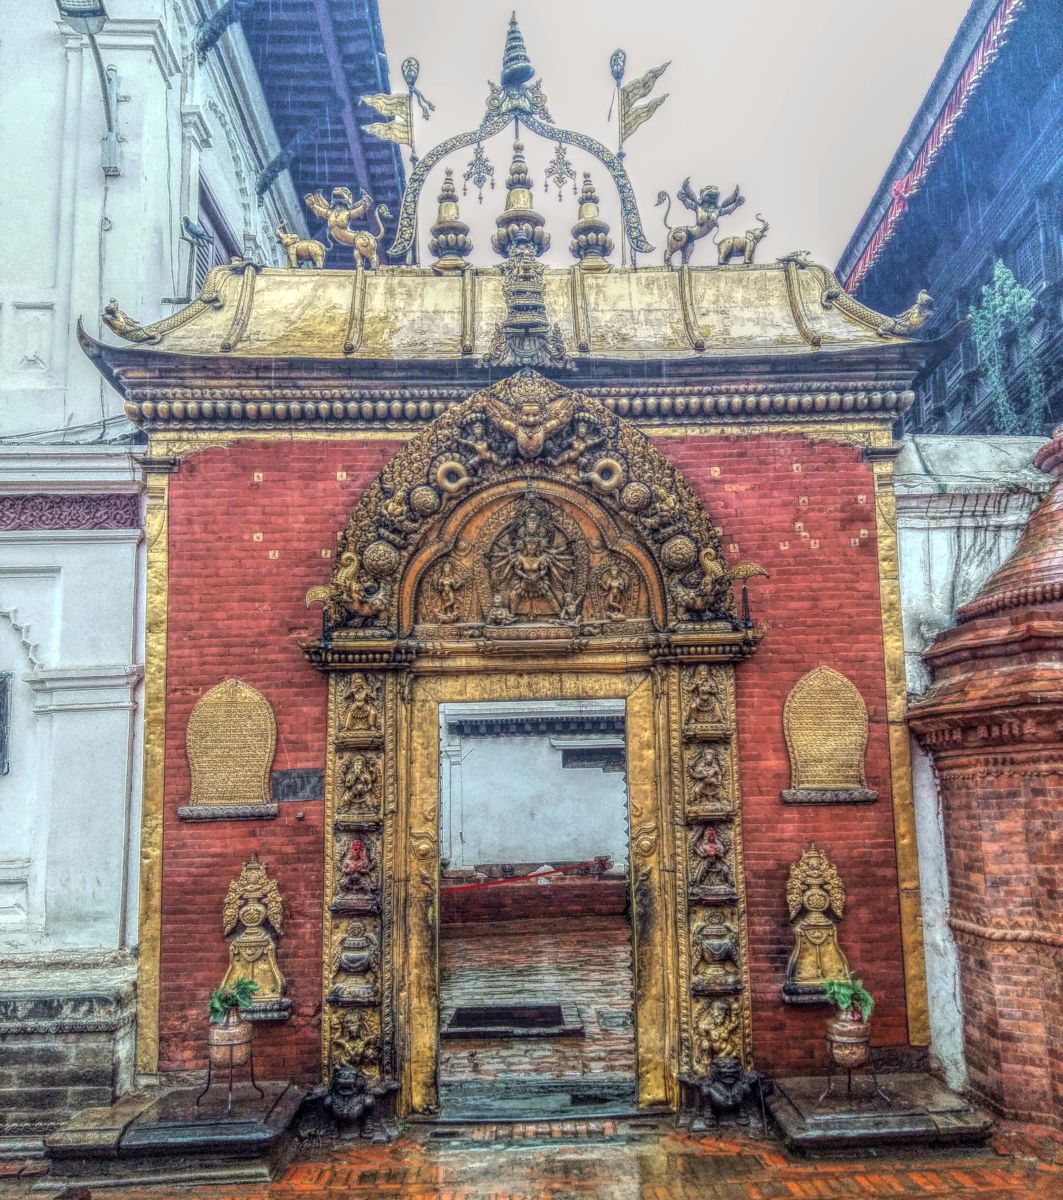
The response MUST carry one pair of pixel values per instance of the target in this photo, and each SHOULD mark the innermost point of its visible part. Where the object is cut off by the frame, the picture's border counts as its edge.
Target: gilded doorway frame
(416, 944)
(425, 607)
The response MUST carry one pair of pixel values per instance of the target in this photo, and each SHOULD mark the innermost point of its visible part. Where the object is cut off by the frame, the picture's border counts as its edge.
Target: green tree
(1005, 311)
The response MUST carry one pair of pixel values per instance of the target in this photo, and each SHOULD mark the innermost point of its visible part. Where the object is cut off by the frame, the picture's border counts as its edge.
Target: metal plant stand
(231, 1064)
(829, 1089)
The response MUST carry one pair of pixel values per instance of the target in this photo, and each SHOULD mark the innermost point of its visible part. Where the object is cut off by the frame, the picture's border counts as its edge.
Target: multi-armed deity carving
(254, 911)
(499, 435)
(815, 899)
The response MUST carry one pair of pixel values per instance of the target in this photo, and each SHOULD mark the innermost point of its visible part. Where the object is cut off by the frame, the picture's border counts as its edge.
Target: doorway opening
(537, 999)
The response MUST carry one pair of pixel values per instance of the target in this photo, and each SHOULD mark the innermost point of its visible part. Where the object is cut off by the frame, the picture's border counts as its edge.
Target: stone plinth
(66, 1041)
(921, 1110)
(993, 722)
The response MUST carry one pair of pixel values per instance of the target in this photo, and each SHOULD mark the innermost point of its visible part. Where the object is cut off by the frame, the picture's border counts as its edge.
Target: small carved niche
(825, 720)
(230, 740)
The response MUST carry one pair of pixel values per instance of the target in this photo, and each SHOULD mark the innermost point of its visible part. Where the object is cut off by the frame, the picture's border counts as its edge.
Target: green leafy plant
(240, 995)
(1004, 311)
(850, 997)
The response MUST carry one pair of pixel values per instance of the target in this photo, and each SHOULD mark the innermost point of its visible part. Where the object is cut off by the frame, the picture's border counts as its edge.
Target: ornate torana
(815, 900)
(254, 912)
(499, 435)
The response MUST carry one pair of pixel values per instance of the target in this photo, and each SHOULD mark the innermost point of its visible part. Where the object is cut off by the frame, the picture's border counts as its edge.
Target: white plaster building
(193, 136)
(962, 503)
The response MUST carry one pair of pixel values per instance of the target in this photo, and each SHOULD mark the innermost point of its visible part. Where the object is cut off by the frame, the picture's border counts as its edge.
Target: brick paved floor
(604, 1160)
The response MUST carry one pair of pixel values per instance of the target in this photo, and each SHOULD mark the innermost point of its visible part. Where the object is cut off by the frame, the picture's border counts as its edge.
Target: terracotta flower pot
(848, 1042)
(229, 1044)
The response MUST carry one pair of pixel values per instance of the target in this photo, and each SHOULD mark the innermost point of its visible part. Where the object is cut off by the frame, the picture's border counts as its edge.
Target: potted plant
(848, 1033)
(229, 1035)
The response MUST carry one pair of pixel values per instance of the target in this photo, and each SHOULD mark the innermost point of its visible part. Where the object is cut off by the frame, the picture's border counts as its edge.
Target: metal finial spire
(516, 66)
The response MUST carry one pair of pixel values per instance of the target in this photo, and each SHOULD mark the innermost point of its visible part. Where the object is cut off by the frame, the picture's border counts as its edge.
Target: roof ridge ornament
(520, 100)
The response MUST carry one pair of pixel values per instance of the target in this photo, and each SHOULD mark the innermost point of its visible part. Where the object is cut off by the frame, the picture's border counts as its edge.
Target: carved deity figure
(708, 782)
(614, 590)
(705, 704)
(357, 868)
(253, 906)
(354, 1043)
(532, 565)
(448, 584)
(815, 899)
(718, 1031)
(709, 848)
(358, 777)
(532, 420)
(363, 705)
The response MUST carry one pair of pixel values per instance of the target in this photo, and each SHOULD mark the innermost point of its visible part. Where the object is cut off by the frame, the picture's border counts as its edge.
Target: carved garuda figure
(523, 428)
(707, 209)
(254, 904)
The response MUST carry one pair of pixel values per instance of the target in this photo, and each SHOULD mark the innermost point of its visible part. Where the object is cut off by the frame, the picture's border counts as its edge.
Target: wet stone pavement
(607, 1160)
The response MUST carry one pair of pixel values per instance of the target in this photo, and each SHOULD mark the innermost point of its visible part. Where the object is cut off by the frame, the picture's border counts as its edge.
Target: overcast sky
(800, 102)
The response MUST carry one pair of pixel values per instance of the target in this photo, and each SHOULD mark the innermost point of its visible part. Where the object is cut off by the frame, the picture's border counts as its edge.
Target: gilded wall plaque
(230, 740)
(825, 720)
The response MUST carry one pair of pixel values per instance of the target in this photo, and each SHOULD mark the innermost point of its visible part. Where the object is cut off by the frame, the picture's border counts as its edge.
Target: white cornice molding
(82, 689)
(149, 34)
(196, 127)
(70, 469)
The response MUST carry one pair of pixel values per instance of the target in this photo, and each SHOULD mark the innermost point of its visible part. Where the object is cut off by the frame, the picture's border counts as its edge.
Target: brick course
(243, 551)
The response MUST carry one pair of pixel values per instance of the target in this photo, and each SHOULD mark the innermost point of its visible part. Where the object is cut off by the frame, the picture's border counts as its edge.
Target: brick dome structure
(993, 723)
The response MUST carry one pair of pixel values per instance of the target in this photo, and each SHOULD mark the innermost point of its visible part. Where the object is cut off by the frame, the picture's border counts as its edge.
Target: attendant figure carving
(253, 905)
(614, 590)
(815, 898)
(448, 584)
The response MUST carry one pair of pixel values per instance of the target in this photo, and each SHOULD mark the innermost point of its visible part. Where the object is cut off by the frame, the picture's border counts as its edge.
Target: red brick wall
(235, 610)
(243, 554)
(805, 511)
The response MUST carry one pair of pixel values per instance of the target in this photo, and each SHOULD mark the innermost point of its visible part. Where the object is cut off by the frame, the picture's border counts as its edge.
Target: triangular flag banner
(634, 117)
(396, 106)
(638, 89)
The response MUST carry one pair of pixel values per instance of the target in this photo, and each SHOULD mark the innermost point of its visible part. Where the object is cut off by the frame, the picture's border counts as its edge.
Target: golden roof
(411, 314)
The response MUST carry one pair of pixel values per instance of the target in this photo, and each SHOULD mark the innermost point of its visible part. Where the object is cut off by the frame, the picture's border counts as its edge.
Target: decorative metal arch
(494, 124)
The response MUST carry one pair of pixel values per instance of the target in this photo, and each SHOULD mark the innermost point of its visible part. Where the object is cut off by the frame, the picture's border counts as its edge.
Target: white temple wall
(962, 503)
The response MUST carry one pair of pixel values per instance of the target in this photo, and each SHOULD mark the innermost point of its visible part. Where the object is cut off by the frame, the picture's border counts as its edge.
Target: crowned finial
(450, 240)
(516, 66)
(520, 224)
(591, 242)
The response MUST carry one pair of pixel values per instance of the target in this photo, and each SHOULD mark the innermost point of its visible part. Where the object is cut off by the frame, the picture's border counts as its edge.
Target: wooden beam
(343, 90)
